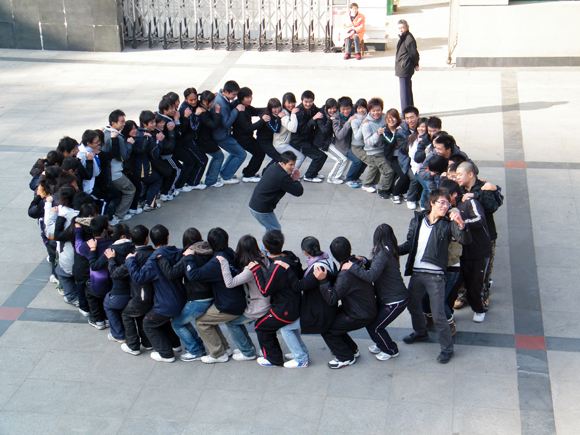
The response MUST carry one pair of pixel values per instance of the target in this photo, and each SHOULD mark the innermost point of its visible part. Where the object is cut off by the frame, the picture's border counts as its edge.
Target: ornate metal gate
(229, 24)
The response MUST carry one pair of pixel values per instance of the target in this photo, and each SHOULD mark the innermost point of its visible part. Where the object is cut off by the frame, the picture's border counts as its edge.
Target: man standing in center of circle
(277, 179)
(406, 63)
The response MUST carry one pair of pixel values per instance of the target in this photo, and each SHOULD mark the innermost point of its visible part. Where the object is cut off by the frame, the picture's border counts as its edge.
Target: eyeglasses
(443, 203)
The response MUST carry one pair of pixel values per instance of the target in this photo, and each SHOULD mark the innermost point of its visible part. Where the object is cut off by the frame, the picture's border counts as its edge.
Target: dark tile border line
(503, 62)
(535, 392)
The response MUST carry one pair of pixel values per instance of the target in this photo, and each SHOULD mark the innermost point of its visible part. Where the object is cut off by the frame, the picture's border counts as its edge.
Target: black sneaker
(444, 357)
(336, 364)
(413, 337)
(384, 194)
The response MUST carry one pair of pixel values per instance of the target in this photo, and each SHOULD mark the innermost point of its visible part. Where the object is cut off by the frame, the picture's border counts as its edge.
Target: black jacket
(490, 201)
(305, 131)
(357, 296)
(141, 294)
(195, 290)
(437, 248)
(243, 128)
(316, 315)
(385, 274)
(117, 270)
(208, 122)
(474, 218)
(226, 300)
(324, 133)
(273, 185)
(407, 57)
(281, 285)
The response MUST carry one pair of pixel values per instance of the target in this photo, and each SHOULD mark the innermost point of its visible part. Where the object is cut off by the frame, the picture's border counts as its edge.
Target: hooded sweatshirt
(117, 270)
(257, 305)
(289, 126)
(119, 149)
(99, 272)
(372, 144)
(342, 133)
(169, 295)
(64, 246)
(356, 126)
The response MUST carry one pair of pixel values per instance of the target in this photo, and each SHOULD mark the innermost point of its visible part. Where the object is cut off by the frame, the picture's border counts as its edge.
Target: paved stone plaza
(515, 373)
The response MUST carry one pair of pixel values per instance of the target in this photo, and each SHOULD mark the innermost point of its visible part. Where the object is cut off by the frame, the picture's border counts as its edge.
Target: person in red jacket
(355, 32)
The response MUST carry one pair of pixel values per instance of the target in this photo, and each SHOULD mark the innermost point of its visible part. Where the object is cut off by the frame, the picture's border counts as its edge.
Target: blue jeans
(267, 220)
(236, 157)
(68, 284)
(114, 306)
(183, 327)
(357, 167)
(291, 335)
(240, 336)
(213, 169)
(426, 191)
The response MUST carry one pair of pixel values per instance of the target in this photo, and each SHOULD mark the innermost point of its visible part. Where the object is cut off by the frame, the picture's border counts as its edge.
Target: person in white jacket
(58, 220)
(289, 125)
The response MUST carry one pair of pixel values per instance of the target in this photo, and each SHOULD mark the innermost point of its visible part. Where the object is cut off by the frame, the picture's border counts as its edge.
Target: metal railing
(230, 24)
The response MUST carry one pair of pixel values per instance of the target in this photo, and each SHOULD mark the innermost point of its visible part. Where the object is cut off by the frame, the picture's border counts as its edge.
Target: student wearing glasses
(427, 247)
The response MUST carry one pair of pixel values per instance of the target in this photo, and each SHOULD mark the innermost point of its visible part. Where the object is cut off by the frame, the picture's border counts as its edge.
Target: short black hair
(445, 139)
(66, 195)
(450, 186)
(189, 91)
(287, 156)
(206, 95)
(145, 117)
(218, 239)
(307, 95)
(139, 234)
(121, 230)
(89, 136)
(375, 102)
(438, 193)
(164, 105)
(438, 164)
(361, 102)
(410, 109)
(172, 97)
(66, 145)
(115, 115)
(434, 122)
(190, 236)
(273, 241)
(243, 93)
(345, 102)
(288, 97)
(340, 249)
(331, 102)
(69, 163)
(231, 86)
(159, 235)
(99, 224)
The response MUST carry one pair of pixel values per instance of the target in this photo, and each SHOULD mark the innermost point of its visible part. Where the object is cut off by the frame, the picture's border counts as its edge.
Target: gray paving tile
(347, 415)
(166, 403)
(240, 376)
(485, 360)
(151, 425)
(411, 387)
(31, 423)
(564, 365)
(64, 365)
(33, 335)
(479, 420)
(491, 391)
(223, 408)
(417, 418)
(37, 395)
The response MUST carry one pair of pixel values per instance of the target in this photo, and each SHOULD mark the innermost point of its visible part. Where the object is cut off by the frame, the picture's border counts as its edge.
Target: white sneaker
(148, 208)
(111, 338)
(336, 364)
(208, 359)
(53, 279)
(232, 180)
(177, 349)
(478, 317)
(189, 357)
(199, 186)
(218, 183)
(98, 325)
(382, 356)
(241, 357)
(114, 221)
(125, 348)
(289, 355)
(135, 211)
(374, 349)
(264, 362)
(187, 188)
(126, 217)
(83, 312)
(411, 205)
(337, 181)
(313, 180)
(175, 193)
(396, 199)
(254, 179)
(166, 197)
(293, 364)
(369, 189)
(155, 356)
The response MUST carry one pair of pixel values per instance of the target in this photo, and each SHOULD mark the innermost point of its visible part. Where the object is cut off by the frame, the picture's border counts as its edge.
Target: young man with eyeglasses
(427, 247)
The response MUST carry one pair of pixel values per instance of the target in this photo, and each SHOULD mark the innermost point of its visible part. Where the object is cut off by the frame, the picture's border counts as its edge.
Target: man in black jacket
(277, 179)
(406, 63)
(358, 306)
(141, 297)
(427, 245)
